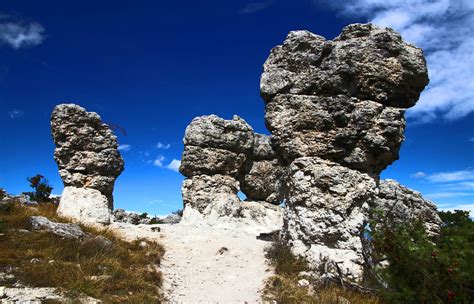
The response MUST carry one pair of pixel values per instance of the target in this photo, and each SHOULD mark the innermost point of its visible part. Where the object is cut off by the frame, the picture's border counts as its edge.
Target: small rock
(143, 244)
(2, 292)
(64, 230)
(303, 283)
(222, 250)
(34, 261)
(156, 229)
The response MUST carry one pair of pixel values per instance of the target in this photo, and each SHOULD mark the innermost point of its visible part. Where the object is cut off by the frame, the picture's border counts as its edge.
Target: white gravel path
(208, 262)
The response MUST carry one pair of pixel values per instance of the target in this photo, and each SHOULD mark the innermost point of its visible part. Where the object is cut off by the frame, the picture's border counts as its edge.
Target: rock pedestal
(336, 113)
(89, 163)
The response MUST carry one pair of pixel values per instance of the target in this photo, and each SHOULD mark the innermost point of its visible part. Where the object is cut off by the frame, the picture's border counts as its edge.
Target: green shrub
(41, 187)
(422, 269)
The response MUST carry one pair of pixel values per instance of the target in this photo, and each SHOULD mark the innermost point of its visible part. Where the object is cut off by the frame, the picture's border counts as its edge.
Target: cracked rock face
(362, 135)
(214, 145)
(203, 191)
(400, 204)
(364, 61)
(326, 212)
(88, 160)
(336, 113)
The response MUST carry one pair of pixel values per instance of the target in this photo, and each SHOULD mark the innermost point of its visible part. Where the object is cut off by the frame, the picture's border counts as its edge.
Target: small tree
(3, 193)
(422, 269)
(41, 187)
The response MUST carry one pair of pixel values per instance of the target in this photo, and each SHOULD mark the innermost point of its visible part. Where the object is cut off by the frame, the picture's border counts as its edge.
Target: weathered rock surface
(262, 181)
(400, 204)
(65, 230)
(29, 295)
(87, 157)
(206, 192)
(362, 135)
(326, 212)
(86, 205)
(336, 113)
(364, 61)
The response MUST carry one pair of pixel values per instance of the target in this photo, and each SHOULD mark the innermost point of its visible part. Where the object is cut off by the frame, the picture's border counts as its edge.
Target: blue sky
(151, 66)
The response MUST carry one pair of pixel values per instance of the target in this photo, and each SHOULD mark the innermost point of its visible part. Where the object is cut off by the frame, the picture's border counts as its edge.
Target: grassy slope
(119, 272)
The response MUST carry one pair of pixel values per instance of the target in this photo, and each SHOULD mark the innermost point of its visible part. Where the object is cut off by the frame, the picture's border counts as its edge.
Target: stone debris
(89, 163)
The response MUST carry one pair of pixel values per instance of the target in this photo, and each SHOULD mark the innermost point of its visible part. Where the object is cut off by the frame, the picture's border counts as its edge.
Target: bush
(41, 187)
(3, 193)
(422, 269)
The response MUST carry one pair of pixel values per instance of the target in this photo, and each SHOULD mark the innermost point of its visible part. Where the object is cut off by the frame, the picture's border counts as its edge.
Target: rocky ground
(207, 261)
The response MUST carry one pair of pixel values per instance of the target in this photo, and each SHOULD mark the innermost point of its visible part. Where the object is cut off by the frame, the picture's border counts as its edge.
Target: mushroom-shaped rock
(89, 163)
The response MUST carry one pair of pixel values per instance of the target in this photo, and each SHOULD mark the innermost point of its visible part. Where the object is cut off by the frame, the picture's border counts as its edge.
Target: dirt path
(208, 263)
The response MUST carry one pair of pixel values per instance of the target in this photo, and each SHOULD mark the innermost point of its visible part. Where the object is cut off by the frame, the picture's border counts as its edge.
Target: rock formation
(222, 157)
(89, 162)
(335, 110)
(399, 204)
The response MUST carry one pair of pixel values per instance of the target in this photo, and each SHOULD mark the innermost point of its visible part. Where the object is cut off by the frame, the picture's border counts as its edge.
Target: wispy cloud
(174, 165)
(124, 147)
(255, 6)
(443, 28)
(418, 174)
(437, 195)
(20, 34)
(158, 162)
(15, 113)
(452, 176)
(449, 184)
(471, 139)
(160, 145)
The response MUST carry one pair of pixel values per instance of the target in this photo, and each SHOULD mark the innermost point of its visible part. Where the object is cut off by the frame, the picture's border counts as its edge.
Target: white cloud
(437, 195)
(174, 165)
(19, 34)
(418, 174)
(443, 28)
(160, 145)
(124, 147)
(255, 6)
(15, 113)
(159, 161)
(453, 176)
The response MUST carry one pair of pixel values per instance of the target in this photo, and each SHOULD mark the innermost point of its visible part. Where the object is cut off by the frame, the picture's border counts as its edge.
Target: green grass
(118, 272)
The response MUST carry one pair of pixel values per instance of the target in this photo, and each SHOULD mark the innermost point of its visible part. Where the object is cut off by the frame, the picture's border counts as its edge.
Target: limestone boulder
(85, 205)
(215, 132)
(362, 135)
(86, 149)
(399, 204)
(364, 61)
(326, 211)
(205, 192)
(262, 181)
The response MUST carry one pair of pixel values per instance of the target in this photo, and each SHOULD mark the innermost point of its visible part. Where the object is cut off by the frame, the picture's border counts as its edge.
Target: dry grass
(283, 287)
(115, 272)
